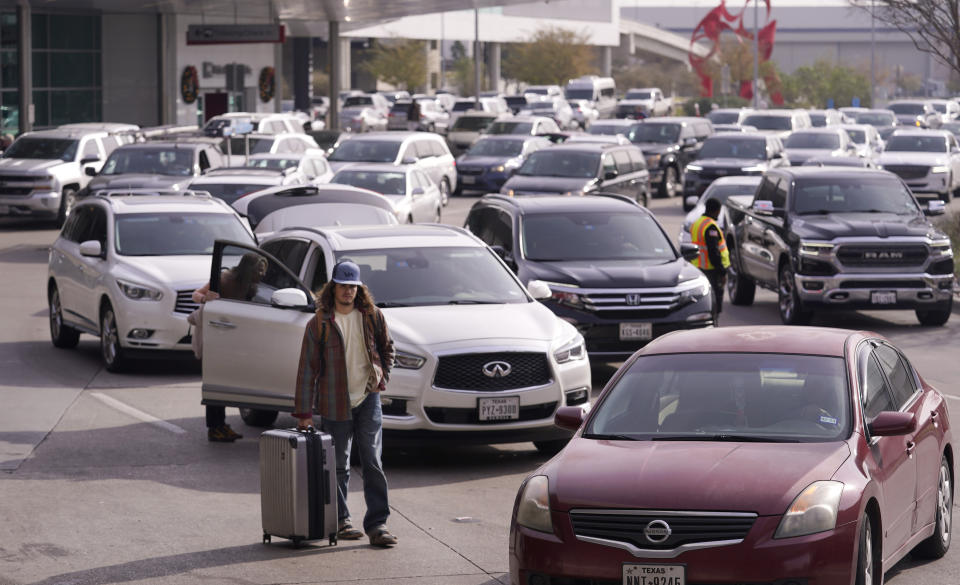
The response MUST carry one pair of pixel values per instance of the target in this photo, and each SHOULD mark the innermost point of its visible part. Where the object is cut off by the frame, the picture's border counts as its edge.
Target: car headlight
(498, 168)
(694, 168)
(45, 183)
(533, 510)
(816, 248)
(653, 160)
(573, 350)
(139, 292)
(941, 248)
(408, 361)
(814, 510)
(752, 169)
(940, 169)
(561, 295)
(695, 290)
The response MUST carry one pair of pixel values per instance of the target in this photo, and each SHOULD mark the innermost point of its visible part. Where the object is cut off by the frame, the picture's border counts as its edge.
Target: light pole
(756, 54)
(873, 50)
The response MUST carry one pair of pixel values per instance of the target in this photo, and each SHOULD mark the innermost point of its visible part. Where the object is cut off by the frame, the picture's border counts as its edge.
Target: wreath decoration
(266, 84)
(189, 84)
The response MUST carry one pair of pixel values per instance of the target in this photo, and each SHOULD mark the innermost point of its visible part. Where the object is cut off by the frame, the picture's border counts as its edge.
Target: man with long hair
(345, 363)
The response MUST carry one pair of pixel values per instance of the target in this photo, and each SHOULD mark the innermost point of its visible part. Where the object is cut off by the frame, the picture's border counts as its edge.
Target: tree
(552, 56)
(673, 77)
(400, 63)
(814, 85)
(932, 25)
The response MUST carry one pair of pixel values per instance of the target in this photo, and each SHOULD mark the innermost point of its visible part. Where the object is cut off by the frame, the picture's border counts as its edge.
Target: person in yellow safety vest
(713, 259)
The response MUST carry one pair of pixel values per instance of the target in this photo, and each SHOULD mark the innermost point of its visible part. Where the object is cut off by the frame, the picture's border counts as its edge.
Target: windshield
(384, 182)
(176, 234)
(906, 109)
(637, 95)
(564, 163)
(876, 119)
(151, 161)
(504, 148)
(818, 120)
(366, 151)
(858, 136)
(324, 214)
(815, 196)
(940, 107)
(814, 140)
(509, 127)
(723, 147)
(608, 129)
(471, 123)
(273, 163)
(464, 106)
(537, 90)
(914, 143)
(726, 397)
(238, 145)
(230, 192)
(42, 148)
(723, 192)
(579, 94)
(724, 117)
(358, 100)
(764, 122)
(661, 133)
(516, 100)
(435, 276)
(599, 235)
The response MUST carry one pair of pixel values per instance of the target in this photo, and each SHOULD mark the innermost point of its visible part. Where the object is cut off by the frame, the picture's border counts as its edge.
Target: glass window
(767, 189)
(43, 148)
(655, 132)
(151, 161)
(9, 31)
(98, 226)
(365, 151)
(40, 69)
(876, 395)
(90, 150)
(249, 275)
(505, 148)
(41, 104)
(726, 147)
(384, 182)
(561, 163)
(817, 196)
(175, 234)
(609, 166)
(74, 31)
(78, 224)
(555, 237)
(901, 380)
(38, 22)
(10, 68)
(290, 252)
(622, 160)
(636, 158)
(780, 195)
(11, 111)
(68, 69)
(73, 106)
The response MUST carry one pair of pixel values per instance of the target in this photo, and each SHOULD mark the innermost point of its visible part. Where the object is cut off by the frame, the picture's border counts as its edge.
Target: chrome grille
(470, 170)
(466, 371)
(185, 302)
(640, 300)
(866, 255)
(627, 526)
(19, 184)
(908, 171)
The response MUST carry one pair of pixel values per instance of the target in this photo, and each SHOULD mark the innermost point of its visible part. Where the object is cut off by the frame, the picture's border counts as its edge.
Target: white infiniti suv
(477, 356)
(125, 266)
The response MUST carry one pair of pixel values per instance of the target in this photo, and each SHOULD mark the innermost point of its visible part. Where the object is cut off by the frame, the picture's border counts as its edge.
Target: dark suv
(727, 154)
(669, 144)
(610, 266)
(581, 169)
(155, 165)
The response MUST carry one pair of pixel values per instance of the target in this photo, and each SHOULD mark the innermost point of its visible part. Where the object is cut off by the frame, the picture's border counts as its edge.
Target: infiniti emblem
(633, 299)
(657, 531)
(496, 369)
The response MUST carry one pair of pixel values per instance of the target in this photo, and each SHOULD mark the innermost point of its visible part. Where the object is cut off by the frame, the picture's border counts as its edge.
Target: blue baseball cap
(346, 272)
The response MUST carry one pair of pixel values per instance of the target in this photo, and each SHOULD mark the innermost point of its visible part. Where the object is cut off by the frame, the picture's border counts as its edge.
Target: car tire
(254, 417)
(437, 215)
(740, 289)
(444, 191)
(63, 336)
(937, 545)
(670, 183)
(867, 565)
(68, 199)
(551, 447)
(935, 317)
(409, 220)
(789, 303)
(110, 350)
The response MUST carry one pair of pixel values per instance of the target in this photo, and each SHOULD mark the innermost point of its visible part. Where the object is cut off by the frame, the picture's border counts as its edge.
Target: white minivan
(601, 91)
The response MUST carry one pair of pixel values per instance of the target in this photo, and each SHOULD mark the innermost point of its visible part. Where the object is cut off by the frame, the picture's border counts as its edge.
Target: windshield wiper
(817, 212)
(390, 304)
(609, 437)
(471, 302)
(723, 437)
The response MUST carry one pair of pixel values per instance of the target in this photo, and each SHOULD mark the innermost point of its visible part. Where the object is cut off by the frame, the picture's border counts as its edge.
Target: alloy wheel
(868, 553)
(109, 338)
(56, 317)
(945, 503)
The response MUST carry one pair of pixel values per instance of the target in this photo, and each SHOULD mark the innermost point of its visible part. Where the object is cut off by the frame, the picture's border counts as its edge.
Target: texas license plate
(468, 180)
(500, 408)
(883, 297)
(4, 210)
(634, 574)
(636, 331)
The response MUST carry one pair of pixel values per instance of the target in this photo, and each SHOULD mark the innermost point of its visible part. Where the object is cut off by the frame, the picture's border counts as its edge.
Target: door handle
(911, 446)
(222, 324)
(934, 416)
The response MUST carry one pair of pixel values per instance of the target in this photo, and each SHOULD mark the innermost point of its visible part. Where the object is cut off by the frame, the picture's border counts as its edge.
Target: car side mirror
(417, 191)
(89, 159)
(936, 207)
(289, 298)
(689, 251)
(689, 141)
(763, 207)
(569, 417)
(539, 290)
(409, 160)
(609, 175)
(91, 249)
(90, 171)
(890, 424)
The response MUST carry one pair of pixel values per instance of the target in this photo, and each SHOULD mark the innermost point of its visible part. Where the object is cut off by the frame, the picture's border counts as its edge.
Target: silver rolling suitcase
(298, 485)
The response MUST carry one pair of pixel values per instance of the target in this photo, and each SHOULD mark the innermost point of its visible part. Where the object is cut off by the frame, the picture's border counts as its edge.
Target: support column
(25, 63)
(302, 73)
(477, 56)
(346, 67)
(607, 59)
(493, 56)
(333, 68)
(277, 80)
(168, 81)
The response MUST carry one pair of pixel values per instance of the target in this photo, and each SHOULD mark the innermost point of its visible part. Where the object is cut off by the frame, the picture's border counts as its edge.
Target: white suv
(477, 356)
(124, 268)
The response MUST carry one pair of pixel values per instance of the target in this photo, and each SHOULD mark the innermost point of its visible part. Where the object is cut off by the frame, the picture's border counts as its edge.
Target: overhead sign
(223, 34)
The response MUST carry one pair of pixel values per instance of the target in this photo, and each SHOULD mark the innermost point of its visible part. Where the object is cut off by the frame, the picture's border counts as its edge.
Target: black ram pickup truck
(838, 238)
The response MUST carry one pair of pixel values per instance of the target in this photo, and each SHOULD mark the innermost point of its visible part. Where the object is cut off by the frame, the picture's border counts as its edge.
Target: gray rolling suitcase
(298, 485)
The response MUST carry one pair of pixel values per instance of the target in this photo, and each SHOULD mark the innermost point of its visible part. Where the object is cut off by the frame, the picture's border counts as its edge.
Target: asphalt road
(108, 478)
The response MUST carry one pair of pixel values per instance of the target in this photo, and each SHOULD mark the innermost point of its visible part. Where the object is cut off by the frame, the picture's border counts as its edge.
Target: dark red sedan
(761, 455)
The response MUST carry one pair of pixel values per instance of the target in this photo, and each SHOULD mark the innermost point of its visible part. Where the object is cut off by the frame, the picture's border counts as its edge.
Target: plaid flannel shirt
(322, 373)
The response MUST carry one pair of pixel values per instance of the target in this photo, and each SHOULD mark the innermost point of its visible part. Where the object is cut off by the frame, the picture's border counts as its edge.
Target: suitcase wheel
(266, 538)
(333, 539)
(296, 541)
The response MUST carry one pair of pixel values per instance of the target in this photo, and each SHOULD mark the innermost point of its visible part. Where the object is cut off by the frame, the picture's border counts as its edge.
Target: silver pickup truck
(41, 172)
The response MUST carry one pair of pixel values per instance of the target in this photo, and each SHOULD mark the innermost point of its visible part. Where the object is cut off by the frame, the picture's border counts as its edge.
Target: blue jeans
(366, 427)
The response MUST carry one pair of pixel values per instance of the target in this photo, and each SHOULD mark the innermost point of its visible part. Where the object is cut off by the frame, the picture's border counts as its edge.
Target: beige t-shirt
(359, 370)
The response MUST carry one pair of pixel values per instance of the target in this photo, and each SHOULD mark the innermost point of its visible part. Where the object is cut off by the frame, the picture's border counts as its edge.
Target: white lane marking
(138, 414)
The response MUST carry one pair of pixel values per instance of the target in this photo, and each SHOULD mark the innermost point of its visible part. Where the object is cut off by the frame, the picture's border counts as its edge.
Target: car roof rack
(250, 170)
(107, 193)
